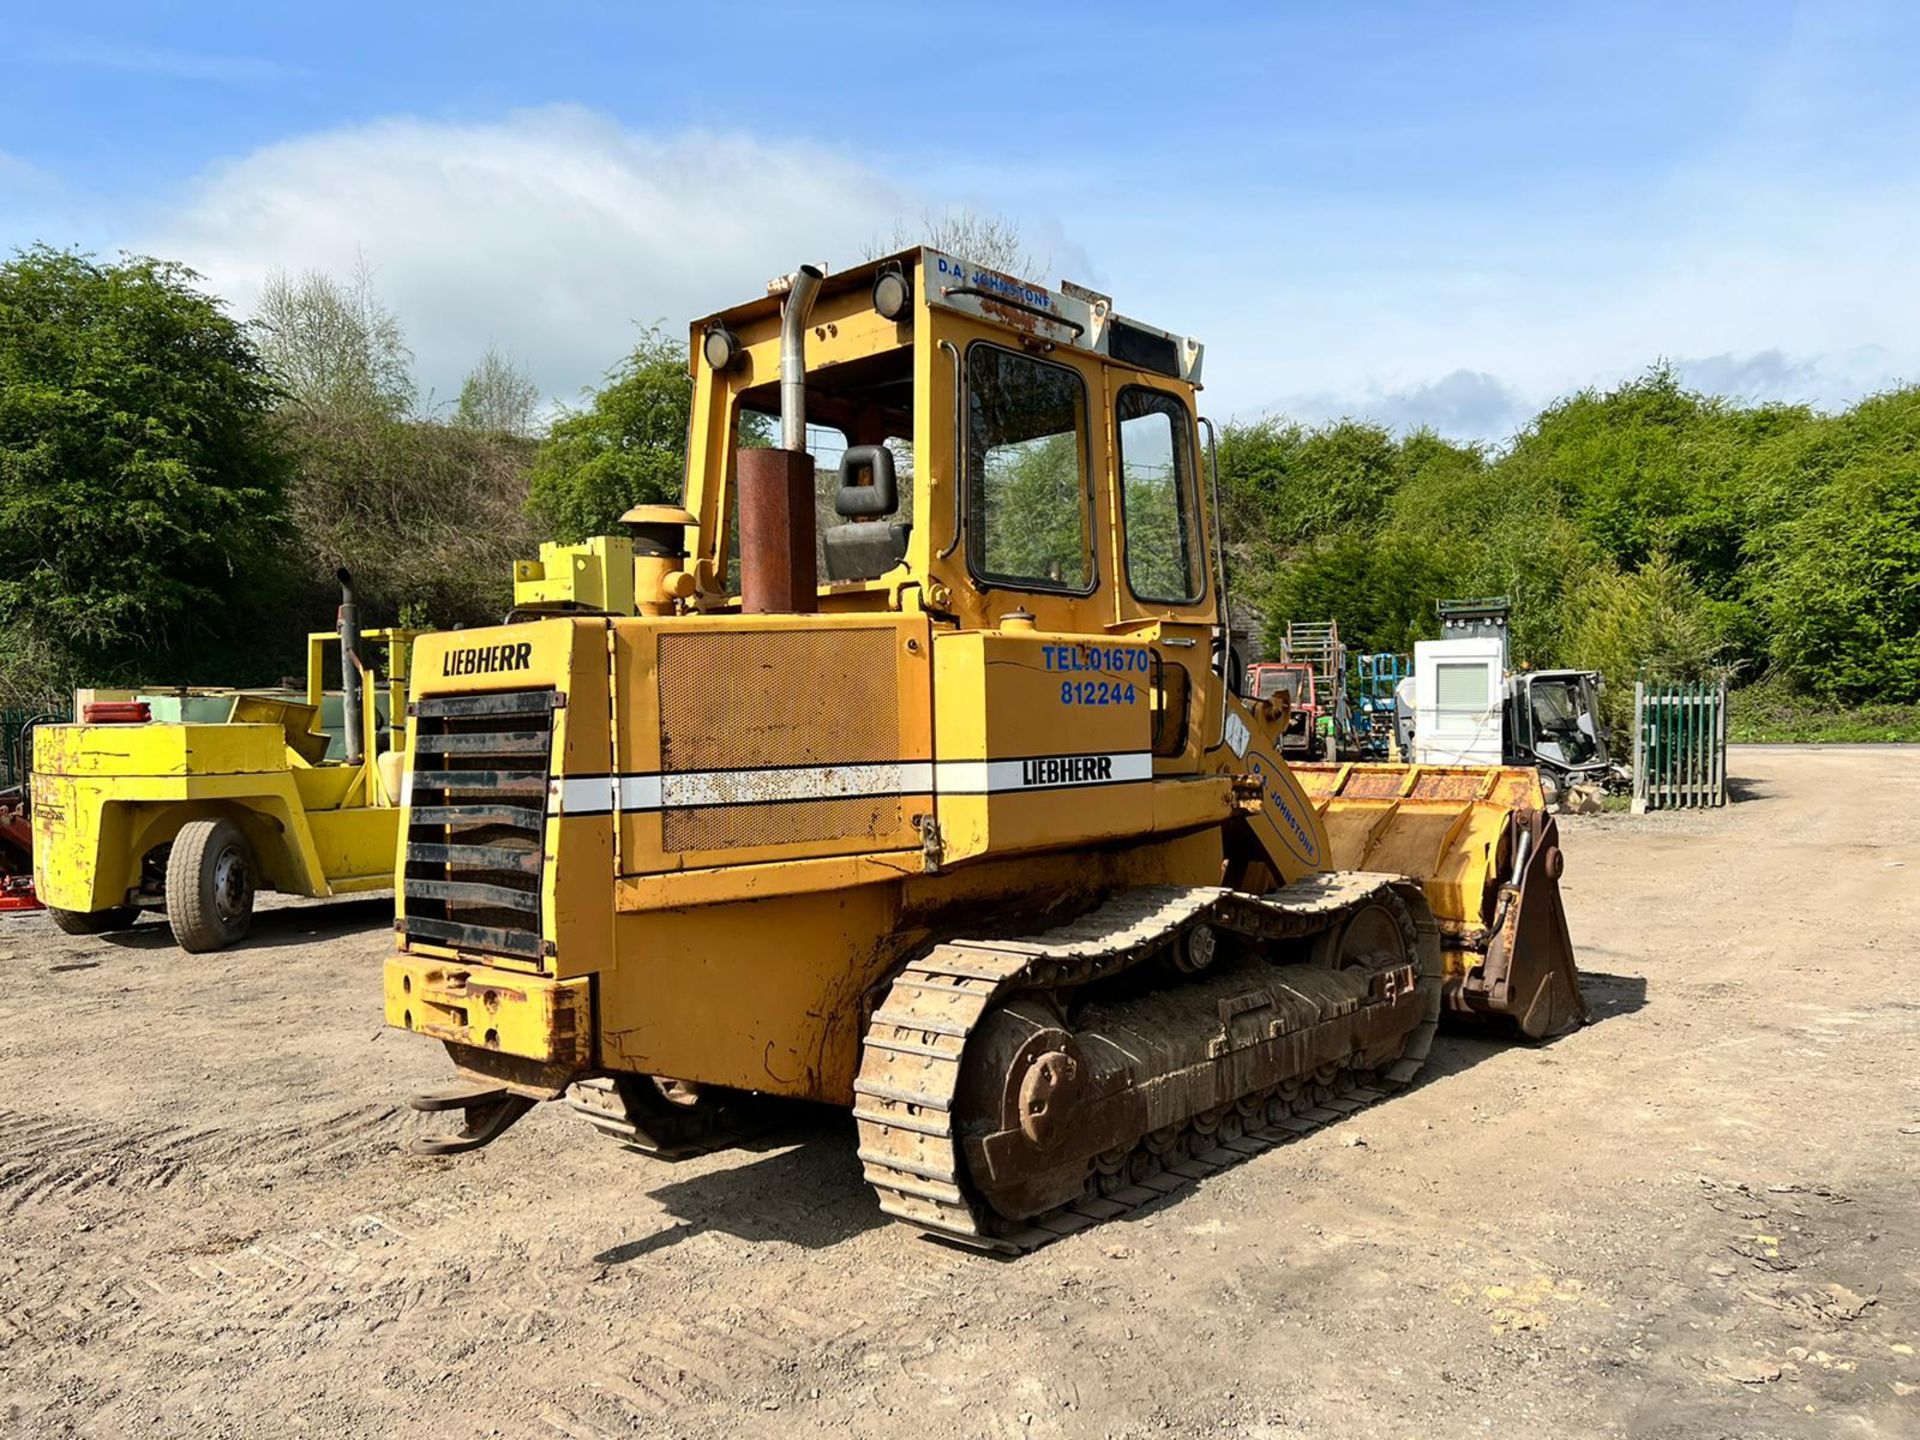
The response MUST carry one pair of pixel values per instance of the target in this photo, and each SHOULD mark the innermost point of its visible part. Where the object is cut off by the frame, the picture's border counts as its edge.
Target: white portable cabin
(1458, 701)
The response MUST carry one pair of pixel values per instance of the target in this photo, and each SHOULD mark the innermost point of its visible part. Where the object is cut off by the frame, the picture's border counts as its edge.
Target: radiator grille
(757, 699)
(477, 824)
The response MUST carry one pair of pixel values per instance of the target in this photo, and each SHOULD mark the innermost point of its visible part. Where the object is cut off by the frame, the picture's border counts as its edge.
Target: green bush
(627, 447)
(1643, 529)
(1839, 582)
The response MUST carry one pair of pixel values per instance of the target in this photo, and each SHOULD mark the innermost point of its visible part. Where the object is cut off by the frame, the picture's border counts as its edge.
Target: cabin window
(1027, 472)
(1156, 484)
(1461, 689)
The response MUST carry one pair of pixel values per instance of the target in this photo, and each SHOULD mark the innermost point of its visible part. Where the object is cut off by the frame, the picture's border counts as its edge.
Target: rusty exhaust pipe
(778, 571)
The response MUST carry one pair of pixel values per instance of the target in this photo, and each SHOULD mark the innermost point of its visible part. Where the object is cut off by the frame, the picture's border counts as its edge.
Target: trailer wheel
(209, 885)
(94, 922)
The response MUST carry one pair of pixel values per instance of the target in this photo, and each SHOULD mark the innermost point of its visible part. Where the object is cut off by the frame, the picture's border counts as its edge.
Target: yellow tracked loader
(944, 810)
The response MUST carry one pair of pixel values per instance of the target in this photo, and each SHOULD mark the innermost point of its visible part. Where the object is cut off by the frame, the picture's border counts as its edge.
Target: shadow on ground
(288, 925)
(1460, 1047)
(804, 1187)
(1609, 996)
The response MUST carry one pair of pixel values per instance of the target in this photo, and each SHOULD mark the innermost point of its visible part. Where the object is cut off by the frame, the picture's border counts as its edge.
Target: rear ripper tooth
(910, 1107)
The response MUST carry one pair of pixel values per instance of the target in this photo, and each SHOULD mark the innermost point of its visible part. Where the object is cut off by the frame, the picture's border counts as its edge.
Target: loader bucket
(1481, 843)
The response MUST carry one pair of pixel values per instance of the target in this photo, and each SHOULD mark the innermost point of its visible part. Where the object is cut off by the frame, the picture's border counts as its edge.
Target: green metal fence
(1679, 745)
(14, 761)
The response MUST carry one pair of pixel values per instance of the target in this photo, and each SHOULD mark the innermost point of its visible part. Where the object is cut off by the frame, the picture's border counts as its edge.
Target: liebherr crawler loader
(969, 832)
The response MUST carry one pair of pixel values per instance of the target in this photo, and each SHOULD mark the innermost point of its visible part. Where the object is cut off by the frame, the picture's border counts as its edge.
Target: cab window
(1026, 472)
(1155, 483)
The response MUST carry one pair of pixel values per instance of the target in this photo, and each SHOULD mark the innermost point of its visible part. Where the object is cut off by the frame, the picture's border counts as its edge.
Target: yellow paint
(1448, 824)
(492, 1010)
(595, 574)
(979, 753)
(1528, 1304)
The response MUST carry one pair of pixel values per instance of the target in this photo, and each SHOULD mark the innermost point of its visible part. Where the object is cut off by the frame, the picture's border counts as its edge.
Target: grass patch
(1766, 712)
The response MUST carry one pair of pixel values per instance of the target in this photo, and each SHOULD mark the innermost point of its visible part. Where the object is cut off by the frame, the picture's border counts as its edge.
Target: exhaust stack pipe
(779, 574)
(803, 290)
(347, 622)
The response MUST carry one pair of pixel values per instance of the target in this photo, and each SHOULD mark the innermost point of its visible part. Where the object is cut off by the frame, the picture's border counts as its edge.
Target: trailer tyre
(94, 922)
(209, 885)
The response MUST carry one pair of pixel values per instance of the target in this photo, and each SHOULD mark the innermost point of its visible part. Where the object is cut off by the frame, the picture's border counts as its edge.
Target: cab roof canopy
(1071, 315)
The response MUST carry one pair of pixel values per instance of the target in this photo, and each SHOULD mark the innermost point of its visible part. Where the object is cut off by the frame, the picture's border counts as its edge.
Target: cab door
(1162, 583)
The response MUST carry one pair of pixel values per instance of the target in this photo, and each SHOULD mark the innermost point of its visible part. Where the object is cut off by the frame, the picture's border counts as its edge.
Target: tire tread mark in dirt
(62, 1159)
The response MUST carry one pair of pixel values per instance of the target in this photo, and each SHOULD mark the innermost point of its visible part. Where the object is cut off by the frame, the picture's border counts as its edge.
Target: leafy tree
(1655, 622)
(1486, 530)
(1285, 484)
(498, 397)
(1651, 466)
(1030, 498)
(140, 489)
(331, 346)
(627, 447)
(1839, 581)
(1380, 590)
(428, 517)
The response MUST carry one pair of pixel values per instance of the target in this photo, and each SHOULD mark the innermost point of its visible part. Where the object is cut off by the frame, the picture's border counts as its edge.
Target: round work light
(892, 294)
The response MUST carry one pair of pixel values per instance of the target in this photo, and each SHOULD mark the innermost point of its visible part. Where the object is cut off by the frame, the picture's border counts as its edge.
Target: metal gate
(1679, 745)
(14, 728)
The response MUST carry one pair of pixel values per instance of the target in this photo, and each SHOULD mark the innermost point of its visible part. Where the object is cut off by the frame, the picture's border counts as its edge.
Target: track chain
(910, 1066)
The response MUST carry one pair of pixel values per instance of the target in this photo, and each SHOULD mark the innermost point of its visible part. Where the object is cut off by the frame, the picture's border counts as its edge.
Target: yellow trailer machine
(944, 811)
(194, 816)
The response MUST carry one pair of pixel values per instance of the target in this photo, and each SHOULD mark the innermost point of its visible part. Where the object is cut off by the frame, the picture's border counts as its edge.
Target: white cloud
(1465, 404)
(551, 232)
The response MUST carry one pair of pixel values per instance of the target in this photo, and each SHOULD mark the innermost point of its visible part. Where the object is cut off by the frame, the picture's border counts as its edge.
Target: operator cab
(979, 445)
(1553, 722)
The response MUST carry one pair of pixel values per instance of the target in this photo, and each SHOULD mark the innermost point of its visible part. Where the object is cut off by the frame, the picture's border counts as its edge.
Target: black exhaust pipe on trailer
(347, 623)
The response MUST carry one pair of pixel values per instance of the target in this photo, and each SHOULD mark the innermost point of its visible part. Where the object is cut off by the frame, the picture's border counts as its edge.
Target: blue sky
(1421, 213)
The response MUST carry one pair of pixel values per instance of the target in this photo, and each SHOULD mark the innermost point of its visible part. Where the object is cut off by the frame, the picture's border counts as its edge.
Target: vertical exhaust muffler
(347, 621)
(779, 574)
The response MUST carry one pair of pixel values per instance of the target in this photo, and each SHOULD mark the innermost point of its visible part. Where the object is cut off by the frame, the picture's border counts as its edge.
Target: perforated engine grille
(776, 699)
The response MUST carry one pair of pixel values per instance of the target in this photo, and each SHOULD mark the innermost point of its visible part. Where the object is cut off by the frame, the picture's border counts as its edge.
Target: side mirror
(880, 496)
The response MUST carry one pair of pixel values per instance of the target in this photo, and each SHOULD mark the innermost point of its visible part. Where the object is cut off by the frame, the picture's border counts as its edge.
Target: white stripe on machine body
(704, 789)
(1046, 772)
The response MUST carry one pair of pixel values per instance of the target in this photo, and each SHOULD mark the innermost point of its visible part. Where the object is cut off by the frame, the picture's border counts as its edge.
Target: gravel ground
(1697, 1216)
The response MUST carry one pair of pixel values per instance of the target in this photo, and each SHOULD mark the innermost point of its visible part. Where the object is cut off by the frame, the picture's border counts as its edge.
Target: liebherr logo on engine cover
(488, 659)
(1067, 770)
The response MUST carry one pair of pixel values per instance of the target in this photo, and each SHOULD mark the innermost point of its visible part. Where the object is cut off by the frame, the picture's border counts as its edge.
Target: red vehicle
(1305, 736)
(16, 853)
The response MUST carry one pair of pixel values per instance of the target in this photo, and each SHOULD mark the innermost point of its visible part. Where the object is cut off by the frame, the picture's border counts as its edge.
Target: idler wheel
(1048, 1093)
(1373, 934)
